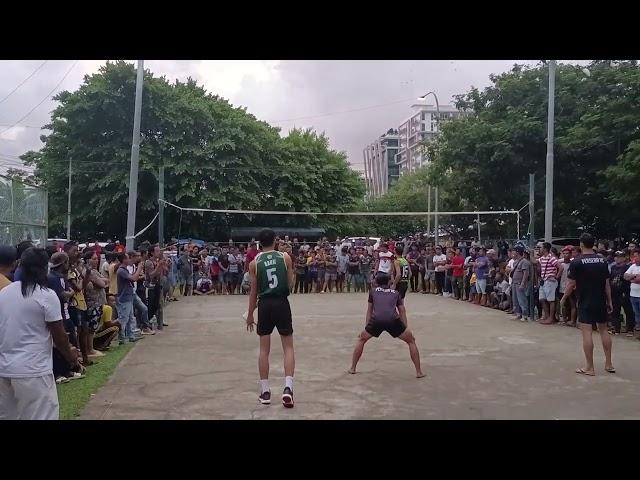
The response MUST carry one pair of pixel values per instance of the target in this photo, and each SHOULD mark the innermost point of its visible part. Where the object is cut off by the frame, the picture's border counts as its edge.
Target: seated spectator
(204, 285)
(108, 326)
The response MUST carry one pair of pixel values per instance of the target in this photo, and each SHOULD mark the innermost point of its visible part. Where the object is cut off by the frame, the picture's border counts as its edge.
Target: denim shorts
(481, 286)
(548, 290)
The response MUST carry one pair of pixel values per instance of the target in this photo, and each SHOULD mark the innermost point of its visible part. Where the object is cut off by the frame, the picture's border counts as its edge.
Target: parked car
(560, 242)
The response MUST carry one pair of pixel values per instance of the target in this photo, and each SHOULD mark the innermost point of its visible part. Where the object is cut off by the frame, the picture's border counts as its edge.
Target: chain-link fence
(23, 212)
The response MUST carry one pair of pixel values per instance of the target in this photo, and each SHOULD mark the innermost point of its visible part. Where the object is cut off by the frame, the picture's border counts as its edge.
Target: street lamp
(423, 97)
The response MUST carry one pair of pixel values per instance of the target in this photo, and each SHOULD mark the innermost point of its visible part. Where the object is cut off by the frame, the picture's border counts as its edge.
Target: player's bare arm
(290, 272)
(253, 295)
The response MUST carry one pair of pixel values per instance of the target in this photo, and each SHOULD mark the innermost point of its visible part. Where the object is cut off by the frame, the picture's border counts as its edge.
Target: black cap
(520, 249)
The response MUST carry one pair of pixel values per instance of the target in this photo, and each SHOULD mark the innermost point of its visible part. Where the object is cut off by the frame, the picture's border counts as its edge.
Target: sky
(352, 101)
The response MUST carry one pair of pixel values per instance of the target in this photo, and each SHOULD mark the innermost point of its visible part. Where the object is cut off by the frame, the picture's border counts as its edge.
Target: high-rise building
(380, 168)
(400, 151)
(420, 127)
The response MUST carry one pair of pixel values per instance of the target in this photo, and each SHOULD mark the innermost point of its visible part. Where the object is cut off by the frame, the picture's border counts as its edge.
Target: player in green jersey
(272, 277)
(402, 272)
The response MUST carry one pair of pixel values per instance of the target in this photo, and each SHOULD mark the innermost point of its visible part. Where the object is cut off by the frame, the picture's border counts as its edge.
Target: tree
(215, 156)
(482, 161)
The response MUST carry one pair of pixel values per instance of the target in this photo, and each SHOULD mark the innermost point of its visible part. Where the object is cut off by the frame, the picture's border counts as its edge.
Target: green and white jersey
(271, 275)
(405, 271)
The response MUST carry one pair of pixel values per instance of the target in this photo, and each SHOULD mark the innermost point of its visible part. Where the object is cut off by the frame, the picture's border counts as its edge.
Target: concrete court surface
(480, 364)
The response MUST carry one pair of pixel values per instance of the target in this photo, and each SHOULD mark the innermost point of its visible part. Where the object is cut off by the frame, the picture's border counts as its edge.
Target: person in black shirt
(589, 276)
(620, 295)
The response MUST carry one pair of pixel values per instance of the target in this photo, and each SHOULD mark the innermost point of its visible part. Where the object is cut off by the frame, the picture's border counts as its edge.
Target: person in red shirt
(252, 253)
(119, 247)
(97, 248)
(457, 282)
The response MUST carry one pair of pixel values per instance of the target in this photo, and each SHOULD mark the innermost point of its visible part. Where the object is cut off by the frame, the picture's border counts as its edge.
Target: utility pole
(161, 206)
(532, 241)
(135, 157)
(69, 204)
(548, 197)
(437, 226)
(428, 210)
(479, 240)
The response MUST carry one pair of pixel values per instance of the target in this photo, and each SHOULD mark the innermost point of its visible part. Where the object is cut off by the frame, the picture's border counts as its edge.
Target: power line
(23, 82)
(43, 100)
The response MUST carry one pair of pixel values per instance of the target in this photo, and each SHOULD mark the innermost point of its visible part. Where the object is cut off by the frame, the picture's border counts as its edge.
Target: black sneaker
(265, 398)
(287, 397)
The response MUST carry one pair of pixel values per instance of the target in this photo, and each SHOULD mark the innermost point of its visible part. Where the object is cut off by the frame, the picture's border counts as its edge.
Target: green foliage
(482, 161)
(215, 156)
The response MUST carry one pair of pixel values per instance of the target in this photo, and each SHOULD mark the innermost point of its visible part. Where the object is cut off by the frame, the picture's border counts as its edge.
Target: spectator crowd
(63, 307)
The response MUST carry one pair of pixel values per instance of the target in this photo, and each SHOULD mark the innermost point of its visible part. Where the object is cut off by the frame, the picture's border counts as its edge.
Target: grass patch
(73, 396)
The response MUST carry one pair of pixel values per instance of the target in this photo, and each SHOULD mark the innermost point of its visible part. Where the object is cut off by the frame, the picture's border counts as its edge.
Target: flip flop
(584, 372)
(610, 370)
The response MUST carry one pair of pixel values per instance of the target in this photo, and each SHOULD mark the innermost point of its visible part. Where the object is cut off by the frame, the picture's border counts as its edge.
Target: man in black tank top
(589, 276)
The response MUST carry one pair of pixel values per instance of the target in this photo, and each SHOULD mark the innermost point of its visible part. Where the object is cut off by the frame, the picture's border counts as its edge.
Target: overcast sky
(352, 101)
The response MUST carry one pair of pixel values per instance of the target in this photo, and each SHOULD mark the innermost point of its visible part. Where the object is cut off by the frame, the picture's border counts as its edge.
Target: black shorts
(274, 312)
(592, 315)
(402, 289)
(395, 328)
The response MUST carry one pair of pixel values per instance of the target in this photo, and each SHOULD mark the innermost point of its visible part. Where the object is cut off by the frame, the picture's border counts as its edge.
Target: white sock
(288, 382)
(264, 385)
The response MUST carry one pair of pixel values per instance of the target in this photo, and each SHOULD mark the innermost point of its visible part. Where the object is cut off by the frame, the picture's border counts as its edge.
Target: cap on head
(58, 259)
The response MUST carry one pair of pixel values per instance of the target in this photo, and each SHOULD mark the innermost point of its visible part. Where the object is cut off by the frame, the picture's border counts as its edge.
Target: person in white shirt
(385, 260)
(440, 261)
(633, 276)
(30, 324)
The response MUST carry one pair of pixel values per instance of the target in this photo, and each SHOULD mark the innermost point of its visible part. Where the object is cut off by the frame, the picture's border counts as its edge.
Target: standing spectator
(140, 299)
(548, 267)
(412, 257)
(589, 275)
(7, 264)
(620, 295)
(77, 304)
(234, 271)
(119, 247)
(96, 298)
(468, 274)
(520, 285)
(633, 276)
(353, 270)
(113, 274)
(430, 272)
(154, 270)
(343, 261)
(185, 278)
(30, 324)
(457, 274)
(365, 268)
(57, 281)
(439, 262)
(301, 272)
(331, 270)
(508, 271)
(481, 269)
(384, 262)
(252, 253)
(125, 297)
(568, 310)
(20, 249)
(223, 264)
(312, 271)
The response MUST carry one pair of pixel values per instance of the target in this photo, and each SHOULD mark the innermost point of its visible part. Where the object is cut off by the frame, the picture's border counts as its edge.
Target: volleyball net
(485, 225)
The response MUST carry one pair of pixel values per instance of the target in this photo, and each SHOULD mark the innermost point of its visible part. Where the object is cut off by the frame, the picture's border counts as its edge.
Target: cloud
(332, 96)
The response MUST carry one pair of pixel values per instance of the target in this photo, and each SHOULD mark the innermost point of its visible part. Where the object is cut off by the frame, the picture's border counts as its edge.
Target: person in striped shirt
(549, 271)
